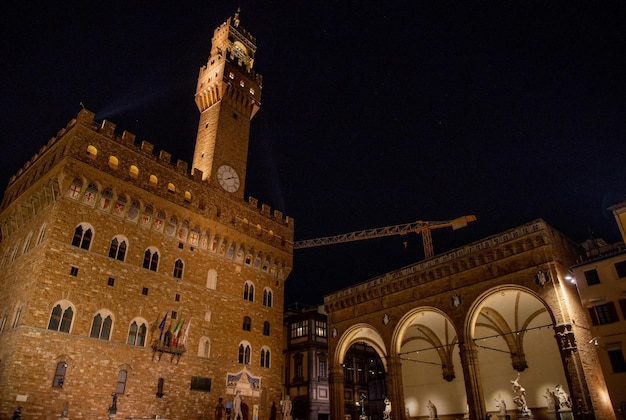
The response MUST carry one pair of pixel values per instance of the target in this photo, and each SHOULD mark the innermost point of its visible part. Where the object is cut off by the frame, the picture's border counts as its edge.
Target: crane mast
(421, 227)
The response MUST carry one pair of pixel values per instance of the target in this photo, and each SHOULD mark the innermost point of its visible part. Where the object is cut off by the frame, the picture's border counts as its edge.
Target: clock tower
(228, 95)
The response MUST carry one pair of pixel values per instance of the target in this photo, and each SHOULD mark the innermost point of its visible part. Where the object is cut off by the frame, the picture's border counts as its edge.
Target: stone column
(473, 383)
(395, 389)
(574, 373)
(335, 383)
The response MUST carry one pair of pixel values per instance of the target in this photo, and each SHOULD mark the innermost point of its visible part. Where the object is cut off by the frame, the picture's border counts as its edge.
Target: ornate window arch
(151, 258)
(265, 357)
(244, 351)
(62, 316)
(118, 247)
(83, 235)
(102, 325)
(178, 269)
(267, 297)
(204, 347)
(248, 291)
(137, 332)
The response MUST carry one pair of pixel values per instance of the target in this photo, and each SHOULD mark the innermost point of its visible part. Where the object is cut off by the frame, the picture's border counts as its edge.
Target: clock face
(228, 178)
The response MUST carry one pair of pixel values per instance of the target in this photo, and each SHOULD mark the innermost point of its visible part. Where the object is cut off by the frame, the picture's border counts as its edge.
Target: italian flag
(175, 333)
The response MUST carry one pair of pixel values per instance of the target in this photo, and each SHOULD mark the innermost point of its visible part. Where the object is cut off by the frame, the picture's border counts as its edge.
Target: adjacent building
(306, 362)
(601, 280)
(137, 287)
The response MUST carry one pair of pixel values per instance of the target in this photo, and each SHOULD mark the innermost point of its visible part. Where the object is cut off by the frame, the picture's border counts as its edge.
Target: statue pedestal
(566, 414)
(526, 416)
(503, 417)
(552, 415)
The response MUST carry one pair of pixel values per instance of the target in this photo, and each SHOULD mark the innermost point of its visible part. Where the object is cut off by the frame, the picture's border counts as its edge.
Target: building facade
(133, 287)
(306, 362)
(601, 280)
(491, 328)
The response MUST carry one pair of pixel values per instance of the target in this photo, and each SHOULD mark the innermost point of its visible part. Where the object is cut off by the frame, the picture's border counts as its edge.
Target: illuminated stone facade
(102, 239)
(601, 280)
(455, 331)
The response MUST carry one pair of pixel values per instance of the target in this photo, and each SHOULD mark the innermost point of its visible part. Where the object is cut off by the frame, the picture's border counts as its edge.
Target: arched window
(266, 328)
(178, 269)
(42, 233)
(133, 171)
(113, 162)
(120, 387)
(101, 326)
(154, 181)
(211, 280)
(248, 291)
(244, 353)
(61, 317)
(59, 375)
(267, 297)
(265, 357)
(171, 188)
(247, 323)
(117, 250)
(92, 152)
(82, 236)
(151, 259)
(137, 333)
(204, 348)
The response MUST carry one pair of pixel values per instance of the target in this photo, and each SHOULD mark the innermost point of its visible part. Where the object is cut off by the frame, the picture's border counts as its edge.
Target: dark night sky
(374, 113)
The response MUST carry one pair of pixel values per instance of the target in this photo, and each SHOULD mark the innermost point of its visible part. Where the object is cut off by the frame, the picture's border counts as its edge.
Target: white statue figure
(286, 408)
(387, 410)
(237, 406)
(550, 399)
(432, 410)
(564, 399)
(519, 395)
(501, 405)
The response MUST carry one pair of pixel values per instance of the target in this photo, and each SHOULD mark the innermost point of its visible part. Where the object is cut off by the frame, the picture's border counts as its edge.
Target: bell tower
(228, 95)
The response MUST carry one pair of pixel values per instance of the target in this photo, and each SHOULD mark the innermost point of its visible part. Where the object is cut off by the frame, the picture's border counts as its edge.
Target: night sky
(374, 113)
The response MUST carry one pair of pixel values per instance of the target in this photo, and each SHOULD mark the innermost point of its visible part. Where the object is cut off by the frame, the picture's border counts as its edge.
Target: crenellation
(147, 147)
(182, 166)
(165, 157)
(107, 128)
(128, 138)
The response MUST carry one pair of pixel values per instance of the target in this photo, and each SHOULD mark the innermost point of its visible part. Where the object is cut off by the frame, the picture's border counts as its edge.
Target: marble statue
(387, 410)
(432, 410)
(286, 403)
(550, 399)
(501, 405)
(519, 395)
(237, 406)
(564, 400)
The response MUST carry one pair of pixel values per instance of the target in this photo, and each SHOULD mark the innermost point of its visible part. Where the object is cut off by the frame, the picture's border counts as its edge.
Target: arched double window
(244, 353)
(101, 326)
(137, 333)
(204, 347)
(151, 259)
(61, 317)
(248, 291)
(82, 236)
(267, 297)
(117, 250)
(178, 269)
(265, 357)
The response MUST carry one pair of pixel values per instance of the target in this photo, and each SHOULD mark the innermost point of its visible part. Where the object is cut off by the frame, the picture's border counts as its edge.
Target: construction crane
(420, 227)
